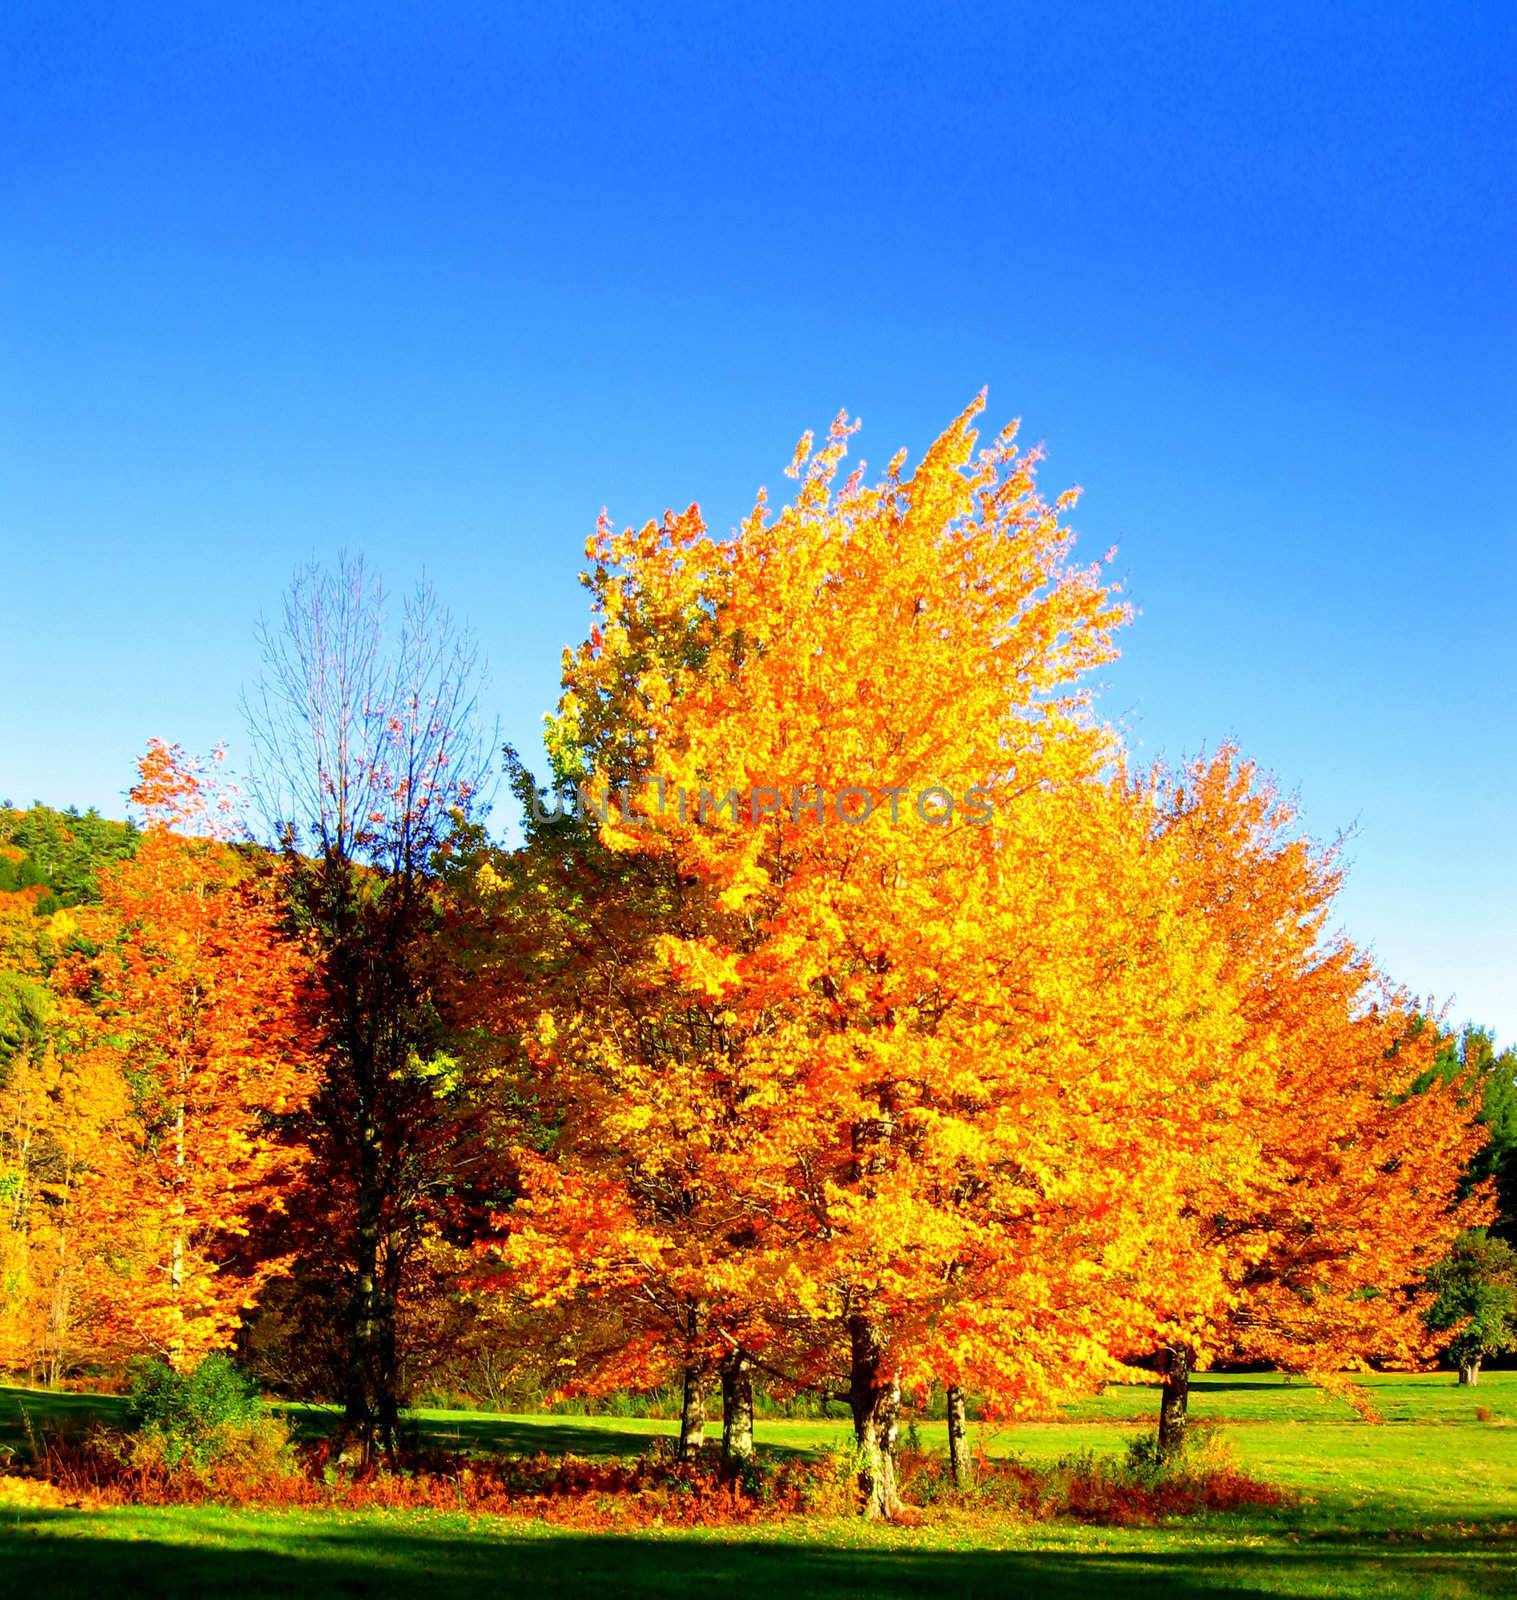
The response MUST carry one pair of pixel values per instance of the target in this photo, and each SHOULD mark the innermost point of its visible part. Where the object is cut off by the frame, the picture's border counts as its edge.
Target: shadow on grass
(71, 1553)
(46, 1412)
(49, 1414)
(554, 1436)
(489, 1434)
(1203, 1383)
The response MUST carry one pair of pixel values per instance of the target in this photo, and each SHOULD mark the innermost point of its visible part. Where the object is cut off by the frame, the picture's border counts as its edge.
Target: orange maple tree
(191, 1015)
(1359, 1185)
(877, 1095)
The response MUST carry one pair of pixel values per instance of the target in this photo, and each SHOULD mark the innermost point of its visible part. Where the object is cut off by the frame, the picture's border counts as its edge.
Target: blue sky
(437, 282)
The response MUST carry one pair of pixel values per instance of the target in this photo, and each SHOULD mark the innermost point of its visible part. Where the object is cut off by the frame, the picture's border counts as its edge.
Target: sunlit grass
(1421, 1504)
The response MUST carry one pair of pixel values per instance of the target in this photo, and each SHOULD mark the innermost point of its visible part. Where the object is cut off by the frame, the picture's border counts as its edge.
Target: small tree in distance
(1476, 1300)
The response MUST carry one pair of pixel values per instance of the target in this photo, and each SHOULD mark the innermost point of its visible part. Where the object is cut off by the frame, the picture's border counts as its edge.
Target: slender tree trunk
(175, 1350)
(21, 1198)
(958, 1441)
(875, 1400)
(60, 1302)
(1469, 1371)
(874, 1394)
(692, 1417)
(368, 1412)
(1174, 1367)
(388, 1377)
(737, 1410)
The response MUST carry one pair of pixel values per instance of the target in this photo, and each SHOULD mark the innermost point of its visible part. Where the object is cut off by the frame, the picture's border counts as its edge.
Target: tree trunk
(387, 1382)
(175, 1351)
(1469, 1371)
(737, 1410)
(59, 1306)
(692, 1417)
(1174, 1367)
(875, 1400)
(958, 1443)
(370, 1408)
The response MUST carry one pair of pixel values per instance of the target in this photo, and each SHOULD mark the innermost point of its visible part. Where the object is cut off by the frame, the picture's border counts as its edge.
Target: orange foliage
(1357, 1191)
(185, 1043)
(914, 1096)
(881, 1028)
(911, 1097)
(651, 1491)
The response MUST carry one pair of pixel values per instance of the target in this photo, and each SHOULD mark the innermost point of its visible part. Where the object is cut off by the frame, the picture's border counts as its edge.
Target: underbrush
(269, 1469)
(198, 1416)
(1141, 1488)
(261, 1465)
(203, 1436)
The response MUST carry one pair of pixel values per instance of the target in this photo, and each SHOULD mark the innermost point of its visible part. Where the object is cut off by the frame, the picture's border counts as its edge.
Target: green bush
(1144, 1455)
(193, 1416)
(1202, 1448)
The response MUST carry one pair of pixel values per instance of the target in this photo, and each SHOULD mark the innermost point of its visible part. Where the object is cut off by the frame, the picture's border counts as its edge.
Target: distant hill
(54, 857)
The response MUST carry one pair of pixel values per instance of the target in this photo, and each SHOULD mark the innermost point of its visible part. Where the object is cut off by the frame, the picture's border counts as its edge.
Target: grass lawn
(1424, 1503)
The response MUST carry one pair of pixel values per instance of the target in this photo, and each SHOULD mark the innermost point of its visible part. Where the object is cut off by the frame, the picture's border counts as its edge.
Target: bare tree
(365, 746)
(367, 754)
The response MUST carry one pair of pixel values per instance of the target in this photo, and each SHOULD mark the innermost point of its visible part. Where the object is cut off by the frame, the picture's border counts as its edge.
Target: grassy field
(1423, 1503)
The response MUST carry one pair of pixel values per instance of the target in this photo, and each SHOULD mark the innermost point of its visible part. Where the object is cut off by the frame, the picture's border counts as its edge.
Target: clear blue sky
(439, 281)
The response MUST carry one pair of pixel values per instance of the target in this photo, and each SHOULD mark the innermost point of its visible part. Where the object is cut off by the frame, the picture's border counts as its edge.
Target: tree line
(825, 1093)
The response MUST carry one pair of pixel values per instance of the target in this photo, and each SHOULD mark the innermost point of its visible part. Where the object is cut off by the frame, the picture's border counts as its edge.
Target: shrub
(829, 1485)
(1144, 1456)
(195, 1417)
(1084, 1487)
(1202, 1449)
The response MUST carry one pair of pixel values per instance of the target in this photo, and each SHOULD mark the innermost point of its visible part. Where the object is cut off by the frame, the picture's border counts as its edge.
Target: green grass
(1423, 1504)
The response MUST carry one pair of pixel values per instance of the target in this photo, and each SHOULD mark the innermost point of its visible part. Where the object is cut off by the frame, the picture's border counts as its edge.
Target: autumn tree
(193, 1005)
(865, 1070)
(1359, 1186)
(57, 1103)
(609, 1253)
(61, 1110)
(368, 754)
(1489, 1076)
(29, 1158)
